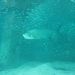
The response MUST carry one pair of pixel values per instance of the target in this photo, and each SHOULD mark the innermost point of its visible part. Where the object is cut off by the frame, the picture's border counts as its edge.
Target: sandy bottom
(37, 68)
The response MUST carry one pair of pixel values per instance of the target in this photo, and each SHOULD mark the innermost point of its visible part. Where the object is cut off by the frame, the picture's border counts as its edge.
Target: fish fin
(58, 30)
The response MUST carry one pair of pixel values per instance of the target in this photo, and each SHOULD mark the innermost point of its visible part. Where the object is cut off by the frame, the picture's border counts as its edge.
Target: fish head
(29, 35)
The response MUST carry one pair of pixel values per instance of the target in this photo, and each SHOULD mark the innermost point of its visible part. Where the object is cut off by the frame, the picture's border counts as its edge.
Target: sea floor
(38, 68)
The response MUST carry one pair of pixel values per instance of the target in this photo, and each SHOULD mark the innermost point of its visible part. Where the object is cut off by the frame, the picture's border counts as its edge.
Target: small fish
(41, 34)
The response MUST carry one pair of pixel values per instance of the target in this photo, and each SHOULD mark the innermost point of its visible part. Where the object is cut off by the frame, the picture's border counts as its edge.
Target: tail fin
(57, 37)
(58, 30)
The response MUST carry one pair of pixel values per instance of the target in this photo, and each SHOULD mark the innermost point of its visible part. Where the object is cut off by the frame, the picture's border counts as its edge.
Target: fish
(41, 34)
(38, 34)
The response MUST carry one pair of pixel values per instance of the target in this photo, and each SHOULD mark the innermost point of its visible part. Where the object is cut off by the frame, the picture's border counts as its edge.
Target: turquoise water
(17, 19)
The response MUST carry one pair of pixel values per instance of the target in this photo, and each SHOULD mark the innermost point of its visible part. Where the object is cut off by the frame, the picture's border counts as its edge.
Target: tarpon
(41, 34)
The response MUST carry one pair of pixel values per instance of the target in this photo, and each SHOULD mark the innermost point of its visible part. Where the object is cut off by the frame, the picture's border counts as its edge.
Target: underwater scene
(37, 37)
